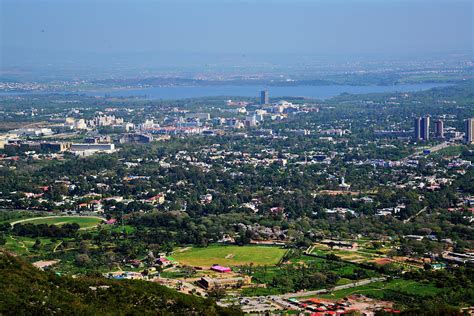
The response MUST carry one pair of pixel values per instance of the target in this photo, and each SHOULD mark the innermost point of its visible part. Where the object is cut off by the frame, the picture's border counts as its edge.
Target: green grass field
(449, 151)
(83, 221)
(377, 289)
(229, 255)
(9, 216)
(23, 246)
(118, 229)
(361, 255)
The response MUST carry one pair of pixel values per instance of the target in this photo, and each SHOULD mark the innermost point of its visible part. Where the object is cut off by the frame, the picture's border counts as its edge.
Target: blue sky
(55, 28)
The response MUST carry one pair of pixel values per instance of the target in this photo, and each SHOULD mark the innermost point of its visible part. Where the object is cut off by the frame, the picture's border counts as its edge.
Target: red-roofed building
(157, 199)
(221, 269)
(277, 210)
(44, 188)
(163, 262)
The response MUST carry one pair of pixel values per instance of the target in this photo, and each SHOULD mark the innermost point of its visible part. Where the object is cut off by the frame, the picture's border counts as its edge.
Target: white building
(90, 149)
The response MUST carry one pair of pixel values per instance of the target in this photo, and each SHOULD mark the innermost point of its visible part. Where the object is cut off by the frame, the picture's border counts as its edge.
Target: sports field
(84, 222)
(229, 255)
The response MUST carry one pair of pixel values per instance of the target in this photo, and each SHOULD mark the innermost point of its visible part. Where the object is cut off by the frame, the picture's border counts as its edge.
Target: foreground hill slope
(27, 290)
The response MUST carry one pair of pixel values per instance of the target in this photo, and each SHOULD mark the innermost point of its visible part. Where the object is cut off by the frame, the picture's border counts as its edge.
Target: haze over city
(151, 33)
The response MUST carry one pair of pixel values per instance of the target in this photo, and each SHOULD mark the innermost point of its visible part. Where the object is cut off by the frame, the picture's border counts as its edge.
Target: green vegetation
(304, 273)
(24, 246)
(273, 182)
(421, 290)
(379, 289)
(8, 216)
(229, 255)
(26, 290)
(365, 253)
(85, 222)
(449, 151)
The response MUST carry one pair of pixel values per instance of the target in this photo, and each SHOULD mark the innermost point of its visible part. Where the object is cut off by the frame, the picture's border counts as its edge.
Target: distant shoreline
(176, 92)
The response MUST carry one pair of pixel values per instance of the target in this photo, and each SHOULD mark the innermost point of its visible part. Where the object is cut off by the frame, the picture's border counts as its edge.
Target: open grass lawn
(342, 269)
(362, 255)
(449, 151)
(229, 255)
(118, 229)
(343, 281)
(267, 274)
(377, 289)
(23, 246)
(320, 252)
(84, 222)
(8, 216)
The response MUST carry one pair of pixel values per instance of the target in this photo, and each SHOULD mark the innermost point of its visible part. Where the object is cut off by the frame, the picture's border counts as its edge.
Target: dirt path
(412, 217)
(46, 217)
(21, 243)
(56, 247)
(181, 250)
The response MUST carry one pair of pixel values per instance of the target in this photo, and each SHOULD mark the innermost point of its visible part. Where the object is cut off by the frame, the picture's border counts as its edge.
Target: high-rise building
(417, 123)
(264, 98)
(439, 129)
(470, 131)
(425, 128)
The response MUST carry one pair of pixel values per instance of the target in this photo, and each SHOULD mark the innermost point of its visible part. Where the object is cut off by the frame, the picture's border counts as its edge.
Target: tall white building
(470, 131)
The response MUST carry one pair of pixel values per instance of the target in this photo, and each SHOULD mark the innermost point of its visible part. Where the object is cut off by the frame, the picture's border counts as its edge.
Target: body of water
(316, 92)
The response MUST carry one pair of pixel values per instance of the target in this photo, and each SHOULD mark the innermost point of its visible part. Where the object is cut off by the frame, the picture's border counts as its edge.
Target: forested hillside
(26, 290)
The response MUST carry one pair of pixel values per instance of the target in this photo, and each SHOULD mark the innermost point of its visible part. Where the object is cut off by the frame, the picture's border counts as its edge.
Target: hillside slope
(27, 290)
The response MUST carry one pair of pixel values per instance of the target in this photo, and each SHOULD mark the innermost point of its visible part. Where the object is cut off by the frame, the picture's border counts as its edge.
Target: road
(433, 149)
(412, 217)
(336, 288)
(262, 304)
(56, 216)
(443, 145)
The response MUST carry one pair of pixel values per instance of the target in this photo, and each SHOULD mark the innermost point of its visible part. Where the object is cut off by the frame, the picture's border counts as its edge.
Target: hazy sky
(107, 27)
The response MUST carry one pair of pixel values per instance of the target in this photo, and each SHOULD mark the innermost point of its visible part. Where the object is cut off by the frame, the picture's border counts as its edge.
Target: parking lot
(257, 304)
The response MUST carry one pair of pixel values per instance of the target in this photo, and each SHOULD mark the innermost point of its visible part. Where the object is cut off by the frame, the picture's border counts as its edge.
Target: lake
(316, 92)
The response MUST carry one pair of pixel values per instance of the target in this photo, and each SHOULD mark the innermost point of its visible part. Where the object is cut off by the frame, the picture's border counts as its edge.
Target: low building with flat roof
(212, 283)
(89, 149)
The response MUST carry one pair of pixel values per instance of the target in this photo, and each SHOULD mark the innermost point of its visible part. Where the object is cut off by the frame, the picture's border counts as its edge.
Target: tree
(216, 293)
(332, 256)
(167, 248)
(83, 260)
(188, 271)
(318, 279)
(37, 244)
(159, 270)
(376, 245)
(83, 246)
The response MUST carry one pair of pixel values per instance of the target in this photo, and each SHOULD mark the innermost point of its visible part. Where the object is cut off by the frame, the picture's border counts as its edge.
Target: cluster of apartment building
(422, 129)
(98, 121)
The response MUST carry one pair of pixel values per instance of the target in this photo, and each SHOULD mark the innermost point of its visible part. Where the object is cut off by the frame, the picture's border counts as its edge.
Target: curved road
(45, 217)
